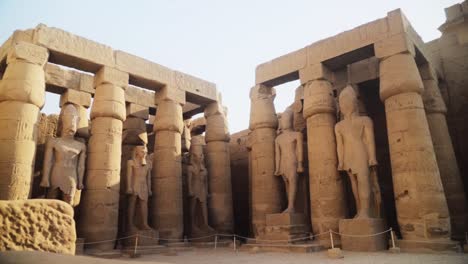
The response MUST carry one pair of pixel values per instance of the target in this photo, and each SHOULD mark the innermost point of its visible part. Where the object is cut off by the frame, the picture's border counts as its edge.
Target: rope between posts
(103, 241)
(370, 235)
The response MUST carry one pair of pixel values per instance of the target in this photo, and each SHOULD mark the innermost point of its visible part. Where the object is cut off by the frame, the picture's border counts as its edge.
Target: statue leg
(144, 213)
(292, 192)
(131, 212)
(193, 215)
(354, 187)
(364, 191)
(68, 198)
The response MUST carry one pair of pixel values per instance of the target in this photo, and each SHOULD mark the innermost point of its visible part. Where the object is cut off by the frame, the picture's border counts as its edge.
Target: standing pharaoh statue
(356, 150)
(64, 159)
(197, 176)
(138, 188)
(289, 156)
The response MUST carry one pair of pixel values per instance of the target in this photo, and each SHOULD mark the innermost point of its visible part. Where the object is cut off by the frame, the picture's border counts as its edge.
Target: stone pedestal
(284, 227)
(352, 228)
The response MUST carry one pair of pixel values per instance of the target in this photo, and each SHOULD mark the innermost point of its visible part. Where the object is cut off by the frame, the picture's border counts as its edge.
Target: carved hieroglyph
(197, 178)
(138, 188)
(289, 157)
(64, 159)
(266, 187)
(356, 150)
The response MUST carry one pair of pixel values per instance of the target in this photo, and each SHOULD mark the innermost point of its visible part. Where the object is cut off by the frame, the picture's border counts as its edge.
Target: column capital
(216, 123)
(24, 51)
(109, 75)
(314, 72)
(262, 109)
(318, 98)
(168, 117)
(75, 97)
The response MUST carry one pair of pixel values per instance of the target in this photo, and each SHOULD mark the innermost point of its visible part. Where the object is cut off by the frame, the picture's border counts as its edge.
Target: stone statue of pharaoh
(197, 179)
(138, 188)
(64, 159)
(289, 156)
(356, 150)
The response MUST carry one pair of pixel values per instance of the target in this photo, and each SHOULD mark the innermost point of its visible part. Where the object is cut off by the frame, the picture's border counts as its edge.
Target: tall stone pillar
(422, 211)
(327, 197)
(22, 94)
(266, 187)
(100, 198)
(449, 172)
(82, 101)
(219, 169)
(167, 206)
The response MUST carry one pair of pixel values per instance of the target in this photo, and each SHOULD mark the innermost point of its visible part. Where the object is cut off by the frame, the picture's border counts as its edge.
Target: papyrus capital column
(326, 186)
(266, 188)
(219, 169)
(449, 172)
(422, 211)
(100, 201)
(22, 94)
(167, 208)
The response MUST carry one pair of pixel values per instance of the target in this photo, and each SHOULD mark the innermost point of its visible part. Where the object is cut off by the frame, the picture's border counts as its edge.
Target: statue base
(428, 246)
(363, 227)
(205, 234)
(285, 228)
(149, 237)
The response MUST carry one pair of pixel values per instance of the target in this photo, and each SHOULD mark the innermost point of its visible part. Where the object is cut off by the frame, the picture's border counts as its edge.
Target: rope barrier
(370, 235)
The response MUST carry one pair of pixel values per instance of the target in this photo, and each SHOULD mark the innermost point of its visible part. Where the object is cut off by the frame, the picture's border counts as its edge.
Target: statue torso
(64, 174)
(355, 156)
(287, 143)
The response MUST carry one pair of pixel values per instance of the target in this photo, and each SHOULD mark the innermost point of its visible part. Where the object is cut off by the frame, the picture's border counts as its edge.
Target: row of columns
(22, 94)
(419, 145)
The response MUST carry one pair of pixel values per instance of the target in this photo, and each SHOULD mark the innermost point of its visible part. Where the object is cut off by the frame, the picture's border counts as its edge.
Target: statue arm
(370, 141)
(81, 167)
(277, 158)
(300, 152)
(129, 176)
(339, 147)
(48, 160)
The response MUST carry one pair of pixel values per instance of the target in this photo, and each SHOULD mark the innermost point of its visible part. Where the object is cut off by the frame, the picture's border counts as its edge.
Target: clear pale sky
(219, 41)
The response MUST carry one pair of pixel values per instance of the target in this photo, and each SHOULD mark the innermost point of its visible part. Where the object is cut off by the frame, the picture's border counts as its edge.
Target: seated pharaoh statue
(197, 179)
(138, 189)
(356, 151)
(64, 159)
(289, 157)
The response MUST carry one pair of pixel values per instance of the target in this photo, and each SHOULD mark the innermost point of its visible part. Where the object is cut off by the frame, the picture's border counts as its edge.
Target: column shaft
(327, 199)
(266, 187)
(100, 199)
(420, 201)
(219, 169)
(22, 94)
(167, 207)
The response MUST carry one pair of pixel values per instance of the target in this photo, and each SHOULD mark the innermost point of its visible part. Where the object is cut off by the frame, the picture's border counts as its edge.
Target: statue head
(139, 154)
(196, 150)
(68, 120)
(286, 119)
(348, 101)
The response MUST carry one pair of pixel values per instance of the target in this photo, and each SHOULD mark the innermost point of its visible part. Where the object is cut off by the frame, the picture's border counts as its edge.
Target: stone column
(266, 187)
(100, 201)
(219, 169)
(82, 101)
(419, 197)
(167, 207)
(327, 200)
(22, 94)
(449, 172)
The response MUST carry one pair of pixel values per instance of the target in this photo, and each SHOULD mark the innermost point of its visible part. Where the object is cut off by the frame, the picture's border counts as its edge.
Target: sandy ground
(224, 255)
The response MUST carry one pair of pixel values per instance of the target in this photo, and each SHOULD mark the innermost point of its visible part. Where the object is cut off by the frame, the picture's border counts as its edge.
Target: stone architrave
(449, 172)
(421, 206)
(327, 199)
(22, 94)
(219, 169)
(289, 157)
(100, 200)
(197, 185)
(266, 187)
(166, 202)
(64, 160)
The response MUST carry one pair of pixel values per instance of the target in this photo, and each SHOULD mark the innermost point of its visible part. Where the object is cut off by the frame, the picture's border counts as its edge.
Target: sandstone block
(262, 109)
(314, 72)
(171, 93)
(42, 225)
(354, 233)
(75, 97)
(136, 110)
(111, 75)
(318, 98)
(169, 117)
(195, 85)
(395, 44)
(28, 52)
(111, 109)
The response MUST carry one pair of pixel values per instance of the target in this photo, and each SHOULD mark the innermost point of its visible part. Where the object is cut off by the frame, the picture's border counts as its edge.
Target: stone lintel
(31, 53)
(136, 110)
(75, 97)
(170, 93)
(315, 72)
(112, 76)
(364, 70)
(395, 44)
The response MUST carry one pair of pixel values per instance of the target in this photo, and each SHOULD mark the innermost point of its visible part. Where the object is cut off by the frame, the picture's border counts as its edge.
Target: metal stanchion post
(331, 238)
(235, 247)
(216, 241)
(393, 238)
(136, 245)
